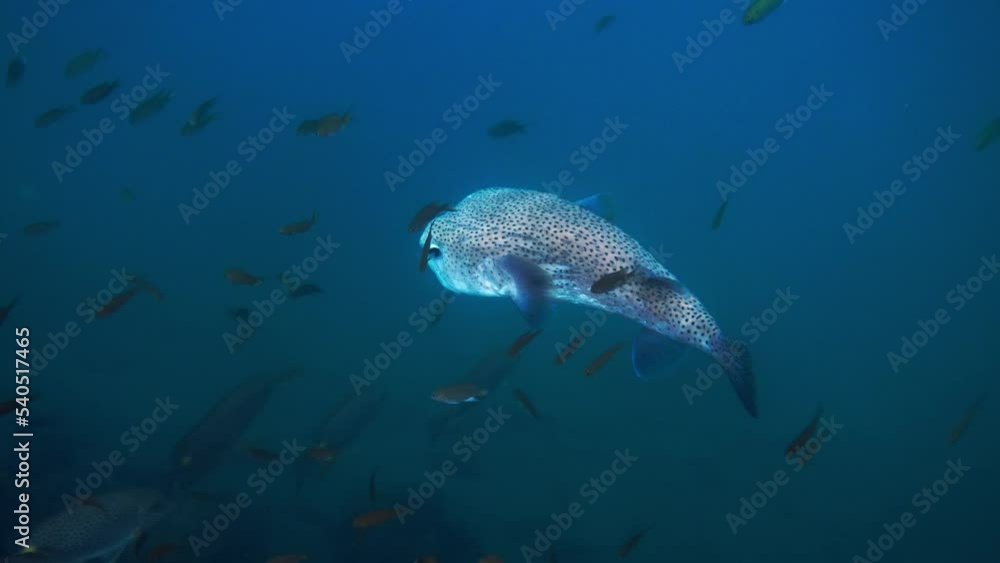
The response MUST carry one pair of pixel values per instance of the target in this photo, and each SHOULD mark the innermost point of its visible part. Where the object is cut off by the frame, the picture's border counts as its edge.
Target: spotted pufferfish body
(574, 247)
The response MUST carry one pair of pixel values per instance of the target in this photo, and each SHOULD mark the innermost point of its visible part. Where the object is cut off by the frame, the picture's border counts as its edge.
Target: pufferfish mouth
(433, 253)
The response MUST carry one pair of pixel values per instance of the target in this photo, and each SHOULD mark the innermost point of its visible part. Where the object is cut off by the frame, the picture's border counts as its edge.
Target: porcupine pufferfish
(536, 247)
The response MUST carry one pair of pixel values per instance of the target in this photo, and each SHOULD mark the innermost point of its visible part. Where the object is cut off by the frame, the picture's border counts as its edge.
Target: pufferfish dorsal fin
(599, 204)
(532, 286)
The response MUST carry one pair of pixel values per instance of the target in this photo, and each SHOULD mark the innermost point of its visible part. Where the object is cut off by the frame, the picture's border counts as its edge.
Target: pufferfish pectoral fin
(531, 285)
(655, 355)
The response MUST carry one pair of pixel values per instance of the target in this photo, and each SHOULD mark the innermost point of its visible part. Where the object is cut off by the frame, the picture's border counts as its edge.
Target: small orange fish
(299, 227)
(8, 407)
(239, 277)
(522, 341)
(374, 518)
(152, 289)
(40, 228)
(4, 311)
(630, 544)
(426, 559)
(804, 436)
(159, 551)
(568, 351)
(290, 558)
(116, 302)
(332, 123)
(599, 361)
(970, 414)
(321, 453)
(525, 402)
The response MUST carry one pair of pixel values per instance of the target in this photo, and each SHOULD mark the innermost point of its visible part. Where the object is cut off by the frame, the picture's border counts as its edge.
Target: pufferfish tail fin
(734, 357)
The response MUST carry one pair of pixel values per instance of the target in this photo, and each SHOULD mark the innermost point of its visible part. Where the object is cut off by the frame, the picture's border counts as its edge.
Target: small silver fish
(458, 394)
